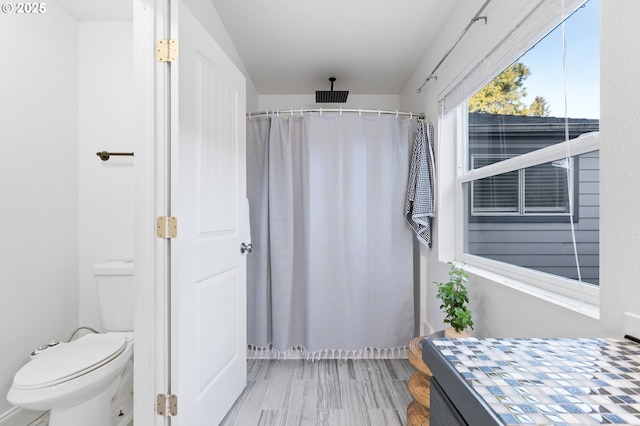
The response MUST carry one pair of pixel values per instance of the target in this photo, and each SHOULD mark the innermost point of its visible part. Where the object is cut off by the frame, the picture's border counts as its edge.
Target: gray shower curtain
(331, 270)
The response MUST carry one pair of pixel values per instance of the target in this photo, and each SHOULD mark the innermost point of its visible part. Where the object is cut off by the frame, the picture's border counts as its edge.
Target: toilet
(88, 380)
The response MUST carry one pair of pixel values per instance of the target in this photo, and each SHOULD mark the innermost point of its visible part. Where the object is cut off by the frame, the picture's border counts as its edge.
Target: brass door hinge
(167, 227)
(167, 404)
(167, 50)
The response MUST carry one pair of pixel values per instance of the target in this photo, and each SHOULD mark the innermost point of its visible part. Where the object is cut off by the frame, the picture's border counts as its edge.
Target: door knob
(246, 248)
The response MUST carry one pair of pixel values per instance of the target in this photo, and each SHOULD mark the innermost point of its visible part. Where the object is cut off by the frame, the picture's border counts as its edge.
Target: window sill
(573, 303)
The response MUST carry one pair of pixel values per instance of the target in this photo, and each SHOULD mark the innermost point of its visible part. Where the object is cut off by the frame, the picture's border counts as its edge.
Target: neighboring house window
(494, 195)
(538, 191)
(529, 182)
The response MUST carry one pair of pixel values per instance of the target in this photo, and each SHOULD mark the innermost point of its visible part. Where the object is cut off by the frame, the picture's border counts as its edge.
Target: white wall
(619, 152)
(39, 185)
(383, 102)
(501, 311)
(106, 188)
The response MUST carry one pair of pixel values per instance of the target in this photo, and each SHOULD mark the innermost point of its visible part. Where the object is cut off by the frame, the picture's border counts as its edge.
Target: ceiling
(294, 46)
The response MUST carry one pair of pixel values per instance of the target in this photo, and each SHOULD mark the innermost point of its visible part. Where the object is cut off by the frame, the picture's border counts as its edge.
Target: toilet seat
(69, 360)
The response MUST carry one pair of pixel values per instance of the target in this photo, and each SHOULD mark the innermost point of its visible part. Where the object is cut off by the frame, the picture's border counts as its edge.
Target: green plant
(454, 297)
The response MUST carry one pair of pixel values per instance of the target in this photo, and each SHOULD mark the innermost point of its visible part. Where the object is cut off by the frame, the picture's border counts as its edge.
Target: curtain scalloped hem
(299, 352)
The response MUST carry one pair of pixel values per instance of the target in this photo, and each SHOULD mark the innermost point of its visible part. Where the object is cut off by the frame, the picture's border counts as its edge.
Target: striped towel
(419, 206)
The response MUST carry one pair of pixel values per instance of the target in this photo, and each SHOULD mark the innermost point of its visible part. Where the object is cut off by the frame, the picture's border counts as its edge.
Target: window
(545, 245)
(529, 182)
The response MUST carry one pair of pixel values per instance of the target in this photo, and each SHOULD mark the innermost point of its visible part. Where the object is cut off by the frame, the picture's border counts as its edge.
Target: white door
(208, 319)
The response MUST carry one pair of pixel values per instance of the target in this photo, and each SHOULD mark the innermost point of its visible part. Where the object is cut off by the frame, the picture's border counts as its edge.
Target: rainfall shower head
(326, 96)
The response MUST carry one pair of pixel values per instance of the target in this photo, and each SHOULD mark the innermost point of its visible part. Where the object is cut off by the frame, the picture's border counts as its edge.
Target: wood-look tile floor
(325, 392)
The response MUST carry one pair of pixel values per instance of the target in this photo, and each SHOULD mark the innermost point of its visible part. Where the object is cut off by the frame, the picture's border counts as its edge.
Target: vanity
(541, 381)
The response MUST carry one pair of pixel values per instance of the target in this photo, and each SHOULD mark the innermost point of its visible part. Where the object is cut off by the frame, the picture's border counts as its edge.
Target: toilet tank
(114, 283)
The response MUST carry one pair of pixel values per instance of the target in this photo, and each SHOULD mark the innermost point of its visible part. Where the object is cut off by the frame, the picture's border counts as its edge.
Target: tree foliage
(504, 94)
(539, 107)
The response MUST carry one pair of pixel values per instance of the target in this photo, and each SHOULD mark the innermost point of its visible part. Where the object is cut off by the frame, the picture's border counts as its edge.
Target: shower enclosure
(331, 272)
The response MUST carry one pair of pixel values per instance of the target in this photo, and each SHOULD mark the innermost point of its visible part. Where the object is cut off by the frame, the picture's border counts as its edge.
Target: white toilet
(88, 381)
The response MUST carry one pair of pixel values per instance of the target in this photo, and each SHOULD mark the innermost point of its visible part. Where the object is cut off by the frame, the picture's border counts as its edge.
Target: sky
(583, 66)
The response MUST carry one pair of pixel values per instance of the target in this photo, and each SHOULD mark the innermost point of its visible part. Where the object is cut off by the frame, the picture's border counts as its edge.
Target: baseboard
(426, 329)
(21, 417)
(631, 324)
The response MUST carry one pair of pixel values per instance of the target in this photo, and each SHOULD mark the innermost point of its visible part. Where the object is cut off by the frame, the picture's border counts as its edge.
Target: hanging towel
(419, 206)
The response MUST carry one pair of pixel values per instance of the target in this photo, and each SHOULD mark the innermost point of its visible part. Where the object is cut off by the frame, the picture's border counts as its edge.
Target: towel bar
(104, 155)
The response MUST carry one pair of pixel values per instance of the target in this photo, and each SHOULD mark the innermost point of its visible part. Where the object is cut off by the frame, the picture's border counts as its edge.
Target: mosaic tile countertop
(551, 381)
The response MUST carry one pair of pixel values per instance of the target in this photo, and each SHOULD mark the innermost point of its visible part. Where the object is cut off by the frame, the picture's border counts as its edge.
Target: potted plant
(454, 297)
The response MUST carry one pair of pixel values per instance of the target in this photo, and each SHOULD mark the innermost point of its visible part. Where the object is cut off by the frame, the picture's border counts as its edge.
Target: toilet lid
(66, 361)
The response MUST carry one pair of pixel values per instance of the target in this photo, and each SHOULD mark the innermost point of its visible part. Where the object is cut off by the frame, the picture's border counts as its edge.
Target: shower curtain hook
(291, 112)
(340, 112)
(320, 112)
(278, 113)
(360, 112)
(249, 116)
(301, 112)
(378, 112)
(396, 114)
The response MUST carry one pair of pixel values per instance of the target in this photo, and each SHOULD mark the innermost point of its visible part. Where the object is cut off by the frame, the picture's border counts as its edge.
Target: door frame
(152, 144)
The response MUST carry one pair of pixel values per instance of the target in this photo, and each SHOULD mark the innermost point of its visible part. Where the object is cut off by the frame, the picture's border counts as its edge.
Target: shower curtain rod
(419, 116)
(475, 19)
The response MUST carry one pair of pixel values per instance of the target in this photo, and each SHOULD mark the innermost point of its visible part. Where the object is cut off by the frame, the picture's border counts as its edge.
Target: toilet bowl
(87, 381)
(76, 381)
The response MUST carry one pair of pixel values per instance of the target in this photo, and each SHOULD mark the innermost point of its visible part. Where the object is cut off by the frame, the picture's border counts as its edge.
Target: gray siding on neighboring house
(545, 245)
